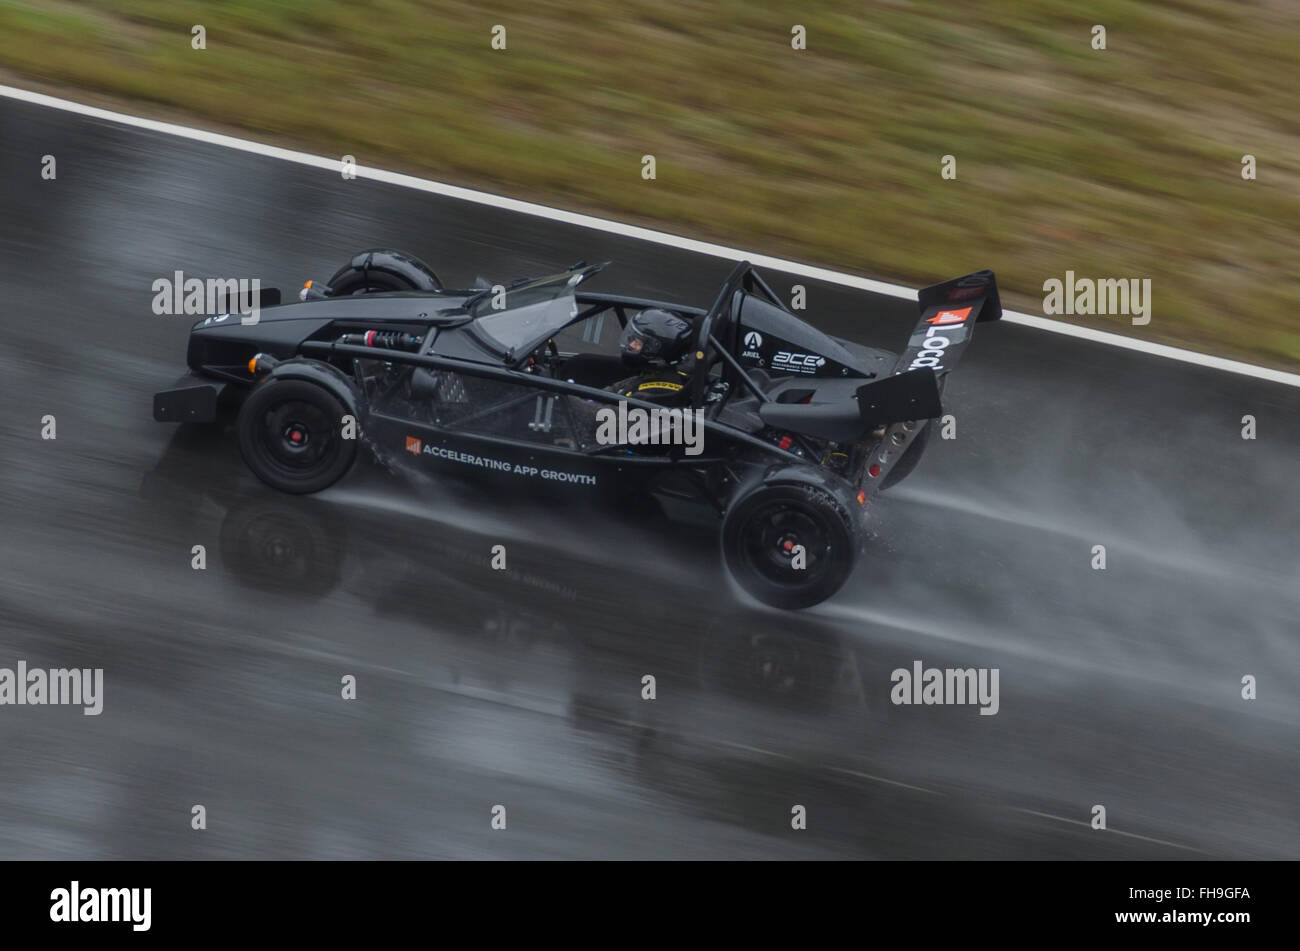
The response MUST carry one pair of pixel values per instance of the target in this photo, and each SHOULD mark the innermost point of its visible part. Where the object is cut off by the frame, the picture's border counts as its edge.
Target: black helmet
(655, 336)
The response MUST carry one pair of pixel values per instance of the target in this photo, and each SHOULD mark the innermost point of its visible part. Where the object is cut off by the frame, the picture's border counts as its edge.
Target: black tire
(276, 544)
(903, 468)
(290, 434)
(380, 270)
(767, 661)
(759, 535)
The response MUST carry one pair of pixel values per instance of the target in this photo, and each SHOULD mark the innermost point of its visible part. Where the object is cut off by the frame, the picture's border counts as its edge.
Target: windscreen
(532, 312)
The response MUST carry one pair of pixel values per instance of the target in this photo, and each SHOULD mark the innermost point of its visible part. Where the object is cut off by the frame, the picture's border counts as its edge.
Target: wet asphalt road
(522, 688)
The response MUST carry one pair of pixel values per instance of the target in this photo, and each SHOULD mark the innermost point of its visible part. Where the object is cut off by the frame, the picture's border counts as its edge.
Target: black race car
(784, 431)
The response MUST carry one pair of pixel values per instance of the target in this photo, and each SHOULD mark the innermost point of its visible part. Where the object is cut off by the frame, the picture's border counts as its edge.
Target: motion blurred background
(476, 687)
(1122, 162)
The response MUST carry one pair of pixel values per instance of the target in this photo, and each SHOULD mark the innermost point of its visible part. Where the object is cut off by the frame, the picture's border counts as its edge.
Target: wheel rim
(297, 438)
(773, 665)
(771, 539)
(274, 544)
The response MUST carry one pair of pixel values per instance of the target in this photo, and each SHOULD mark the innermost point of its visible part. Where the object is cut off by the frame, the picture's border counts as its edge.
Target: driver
(656, 342)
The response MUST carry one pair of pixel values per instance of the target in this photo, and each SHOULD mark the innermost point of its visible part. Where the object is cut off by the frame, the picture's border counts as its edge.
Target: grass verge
(1123, 162)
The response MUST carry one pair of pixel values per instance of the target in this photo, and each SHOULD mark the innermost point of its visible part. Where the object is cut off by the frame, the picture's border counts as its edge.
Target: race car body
(784, 431)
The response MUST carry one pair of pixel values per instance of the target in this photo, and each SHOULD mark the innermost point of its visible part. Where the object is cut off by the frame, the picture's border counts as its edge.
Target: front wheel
(291, 436)
(790, 546)
(275, 544)
(382, 269)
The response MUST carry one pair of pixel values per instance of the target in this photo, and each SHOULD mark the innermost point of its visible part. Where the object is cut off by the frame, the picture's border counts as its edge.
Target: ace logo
(798, 362)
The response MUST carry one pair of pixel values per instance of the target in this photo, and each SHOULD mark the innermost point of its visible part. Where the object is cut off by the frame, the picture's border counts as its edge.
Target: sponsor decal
(413, 445)
(753, 340)
(797, 362)
(939, 336)
(660, 385)
(501, 465)
(950, 316)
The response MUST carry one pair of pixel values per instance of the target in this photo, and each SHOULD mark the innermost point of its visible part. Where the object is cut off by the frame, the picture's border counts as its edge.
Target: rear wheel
(290, 434)
(790, 546)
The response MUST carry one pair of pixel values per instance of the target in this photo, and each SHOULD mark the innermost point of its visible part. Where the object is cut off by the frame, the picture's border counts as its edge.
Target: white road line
(882, 779)
(1131, 835)
(638, 233)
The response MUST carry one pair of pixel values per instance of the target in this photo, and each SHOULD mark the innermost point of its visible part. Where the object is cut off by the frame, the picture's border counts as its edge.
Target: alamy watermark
(634, 426)
(76, 904)
(1105, 297)
(56, 687)
(214, 297)
(947, 685)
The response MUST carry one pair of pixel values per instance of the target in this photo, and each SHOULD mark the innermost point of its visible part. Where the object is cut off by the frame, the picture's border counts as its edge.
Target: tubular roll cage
(325, 349)
(743, 277)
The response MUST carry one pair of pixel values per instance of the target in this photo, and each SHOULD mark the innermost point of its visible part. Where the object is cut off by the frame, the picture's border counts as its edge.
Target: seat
(593, 369)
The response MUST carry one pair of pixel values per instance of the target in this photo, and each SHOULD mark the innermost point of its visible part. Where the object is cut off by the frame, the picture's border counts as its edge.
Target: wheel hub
(782, 532)
(296, 436)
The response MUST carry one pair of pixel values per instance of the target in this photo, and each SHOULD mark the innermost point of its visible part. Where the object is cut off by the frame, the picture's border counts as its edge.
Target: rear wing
(949, 312)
